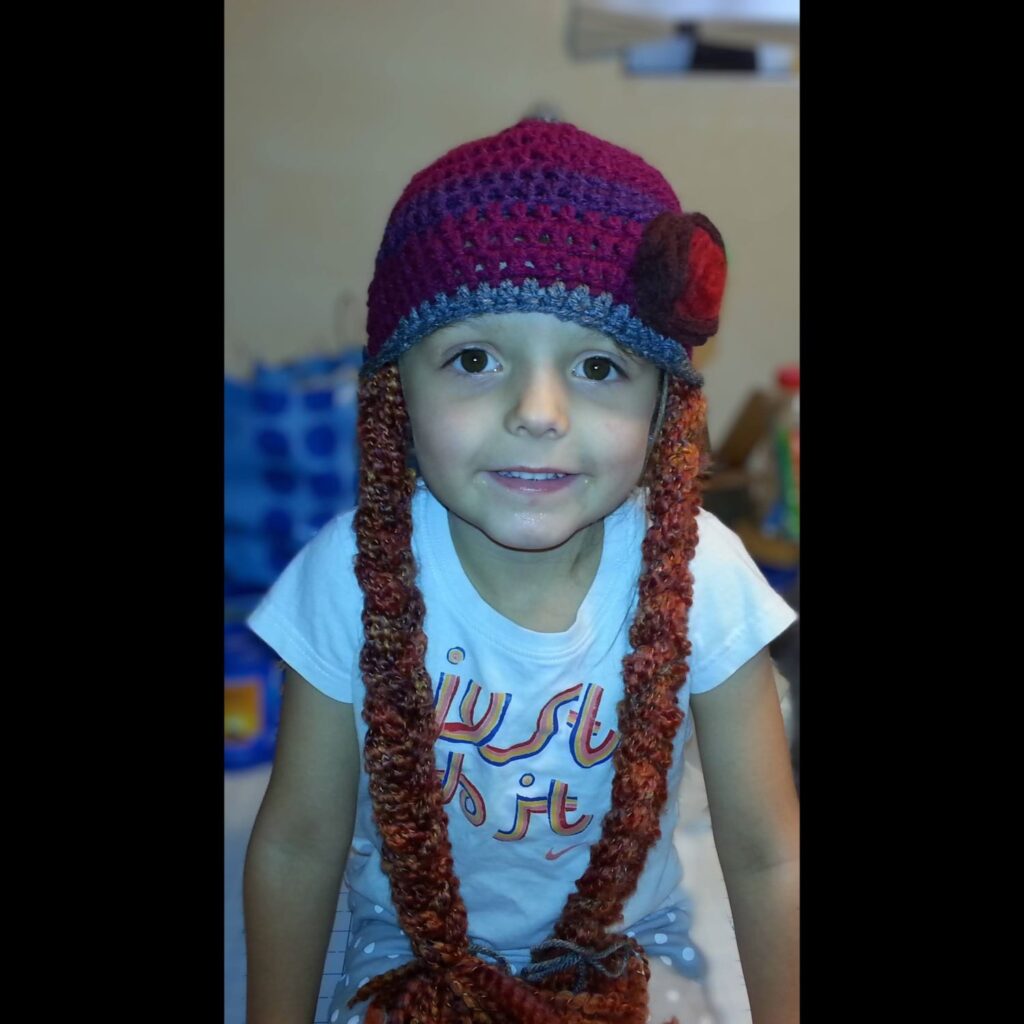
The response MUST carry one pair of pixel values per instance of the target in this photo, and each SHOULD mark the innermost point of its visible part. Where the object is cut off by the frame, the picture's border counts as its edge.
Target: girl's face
(502, 395)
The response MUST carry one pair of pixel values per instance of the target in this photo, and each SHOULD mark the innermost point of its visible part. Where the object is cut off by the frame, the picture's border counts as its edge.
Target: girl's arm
(297, 854)
(755, 818)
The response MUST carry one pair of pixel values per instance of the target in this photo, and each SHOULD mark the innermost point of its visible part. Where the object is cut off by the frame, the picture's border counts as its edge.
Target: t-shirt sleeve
(735, 611)
(312, 615)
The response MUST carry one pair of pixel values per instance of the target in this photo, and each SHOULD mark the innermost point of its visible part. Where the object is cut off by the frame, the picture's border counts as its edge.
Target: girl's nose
(540, 404)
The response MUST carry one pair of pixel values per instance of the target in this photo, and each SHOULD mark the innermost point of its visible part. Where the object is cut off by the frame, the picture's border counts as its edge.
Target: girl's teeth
(532, 476)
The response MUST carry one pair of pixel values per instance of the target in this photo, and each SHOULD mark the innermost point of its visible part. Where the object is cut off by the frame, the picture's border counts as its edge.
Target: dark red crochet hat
(545, 217)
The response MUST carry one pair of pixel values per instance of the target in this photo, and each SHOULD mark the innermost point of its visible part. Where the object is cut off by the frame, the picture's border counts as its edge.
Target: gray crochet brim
(577, 306)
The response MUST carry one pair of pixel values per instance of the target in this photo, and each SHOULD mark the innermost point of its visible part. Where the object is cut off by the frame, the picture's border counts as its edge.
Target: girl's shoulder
(716, 542)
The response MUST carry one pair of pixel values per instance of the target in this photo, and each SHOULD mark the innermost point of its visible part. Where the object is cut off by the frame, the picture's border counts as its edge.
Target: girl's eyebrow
(471, 328)
(632, 357)
(460, 330)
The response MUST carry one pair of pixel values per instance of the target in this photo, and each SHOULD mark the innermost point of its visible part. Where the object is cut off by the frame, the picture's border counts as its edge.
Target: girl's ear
(410, 446)
(659, 412)
(707, 462)
(656, 424)
(410, 456)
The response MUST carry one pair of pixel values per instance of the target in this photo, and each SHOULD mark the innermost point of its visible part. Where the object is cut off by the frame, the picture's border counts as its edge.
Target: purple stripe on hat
(454, 254)
(553, 188)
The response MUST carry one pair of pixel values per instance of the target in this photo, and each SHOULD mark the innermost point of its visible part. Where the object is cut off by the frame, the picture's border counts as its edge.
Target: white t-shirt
(525, 754)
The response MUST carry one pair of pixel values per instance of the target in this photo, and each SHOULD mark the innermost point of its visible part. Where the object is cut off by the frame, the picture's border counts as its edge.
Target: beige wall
(331, 105)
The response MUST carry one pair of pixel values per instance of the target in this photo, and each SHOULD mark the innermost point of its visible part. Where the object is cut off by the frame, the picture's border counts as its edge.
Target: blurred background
(330, 107)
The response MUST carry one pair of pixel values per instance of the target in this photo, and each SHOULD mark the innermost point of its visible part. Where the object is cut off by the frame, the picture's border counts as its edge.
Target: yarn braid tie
(479, 947)
(580, 957)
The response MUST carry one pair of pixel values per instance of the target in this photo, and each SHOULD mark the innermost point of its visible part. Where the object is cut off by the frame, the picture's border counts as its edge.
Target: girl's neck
(538, 590)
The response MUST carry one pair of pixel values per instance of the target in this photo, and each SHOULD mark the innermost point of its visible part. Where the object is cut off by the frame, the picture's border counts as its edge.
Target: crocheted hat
(545, 217)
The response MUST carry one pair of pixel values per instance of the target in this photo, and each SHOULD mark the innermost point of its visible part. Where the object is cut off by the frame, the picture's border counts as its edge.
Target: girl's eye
(598, 368)
(473, 361)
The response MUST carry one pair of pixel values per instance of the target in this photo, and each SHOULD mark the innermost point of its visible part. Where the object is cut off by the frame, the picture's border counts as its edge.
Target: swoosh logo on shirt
(551, 855)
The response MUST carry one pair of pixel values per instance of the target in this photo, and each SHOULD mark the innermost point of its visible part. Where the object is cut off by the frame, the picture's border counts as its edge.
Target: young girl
(492, 660)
